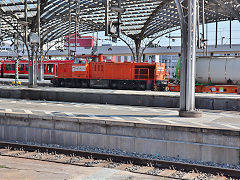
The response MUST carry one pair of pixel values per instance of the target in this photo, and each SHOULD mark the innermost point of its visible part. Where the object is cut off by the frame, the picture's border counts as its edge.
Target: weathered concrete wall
(215, 103)
(216, 145)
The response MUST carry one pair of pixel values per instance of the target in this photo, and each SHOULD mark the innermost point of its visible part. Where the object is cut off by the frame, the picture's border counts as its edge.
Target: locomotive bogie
(107, 84)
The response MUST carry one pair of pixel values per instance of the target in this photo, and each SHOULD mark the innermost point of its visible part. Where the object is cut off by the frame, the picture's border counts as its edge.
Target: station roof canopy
(141, 18)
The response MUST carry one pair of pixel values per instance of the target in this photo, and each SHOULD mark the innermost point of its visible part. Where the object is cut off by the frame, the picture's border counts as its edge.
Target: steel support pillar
(16, 47)
(0, 26)
(230, 31)
(106, 17)
(40, 60)
(31, 69)
(77, 14)
(187, 10)
(30, 73)
(69, 27)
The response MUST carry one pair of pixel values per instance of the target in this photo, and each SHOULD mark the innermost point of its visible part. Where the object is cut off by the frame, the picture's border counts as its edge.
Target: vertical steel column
(206, 52)
(119, 19)
(41, 71)
(191, 56)
(198, 26)
(69, 27)
(106, 17)
(36, 48)
(30, 73)
(187, 10)
(184, 41)
(230, 31)
(216, 40)
(76, 24)
(203, 19)
(32, 67)
(16, 44)
(0, 24)
(203, 26)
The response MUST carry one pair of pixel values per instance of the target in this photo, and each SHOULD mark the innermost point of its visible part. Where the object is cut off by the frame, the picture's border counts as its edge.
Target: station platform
(215, 137)
(230, 102)
(24, 82)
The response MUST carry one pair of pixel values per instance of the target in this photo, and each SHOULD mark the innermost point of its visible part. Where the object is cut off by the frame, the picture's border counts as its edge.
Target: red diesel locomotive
(91, 71)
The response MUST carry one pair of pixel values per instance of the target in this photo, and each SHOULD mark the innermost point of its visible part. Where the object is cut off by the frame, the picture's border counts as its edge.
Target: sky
(223, 35)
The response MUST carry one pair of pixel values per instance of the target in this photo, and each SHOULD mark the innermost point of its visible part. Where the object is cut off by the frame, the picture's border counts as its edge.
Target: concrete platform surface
(24, 169)
(24, 82)
(215, 137)
(120, 97)
(213, 119)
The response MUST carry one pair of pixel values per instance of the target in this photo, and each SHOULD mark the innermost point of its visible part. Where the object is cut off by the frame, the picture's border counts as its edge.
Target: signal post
(187, 10)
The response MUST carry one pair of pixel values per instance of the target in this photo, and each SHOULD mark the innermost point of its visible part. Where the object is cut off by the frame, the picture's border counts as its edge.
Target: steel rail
(233, 173)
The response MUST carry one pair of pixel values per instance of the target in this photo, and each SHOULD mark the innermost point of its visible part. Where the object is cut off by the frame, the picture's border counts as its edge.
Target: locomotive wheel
(113, 85)
(84, 84)
(143, 86)
(56, 83)
(62, 84)
(78, 84)
(68, 84)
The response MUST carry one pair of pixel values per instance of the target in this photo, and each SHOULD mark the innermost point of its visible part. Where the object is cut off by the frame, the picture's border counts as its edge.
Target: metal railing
(142, 74)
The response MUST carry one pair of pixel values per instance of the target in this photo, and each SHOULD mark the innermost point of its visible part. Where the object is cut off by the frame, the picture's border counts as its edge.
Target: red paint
(83, 41)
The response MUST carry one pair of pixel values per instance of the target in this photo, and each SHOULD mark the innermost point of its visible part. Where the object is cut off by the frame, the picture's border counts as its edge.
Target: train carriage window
(26, 67)
(13, 67)
(50, 68)
(8, 67)
(56, 71)
(44, 67)
(21, 67)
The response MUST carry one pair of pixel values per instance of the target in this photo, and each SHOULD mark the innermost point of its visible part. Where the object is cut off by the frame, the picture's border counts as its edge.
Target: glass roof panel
(142, 17)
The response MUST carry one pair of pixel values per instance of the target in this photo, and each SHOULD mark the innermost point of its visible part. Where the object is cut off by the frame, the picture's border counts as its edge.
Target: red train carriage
(8, 68)
(1, 68)
(89, 73)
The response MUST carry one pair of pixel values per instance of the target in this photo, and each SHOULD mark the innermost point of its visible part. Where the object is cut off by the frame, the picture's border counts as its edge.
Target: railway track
(166, 169)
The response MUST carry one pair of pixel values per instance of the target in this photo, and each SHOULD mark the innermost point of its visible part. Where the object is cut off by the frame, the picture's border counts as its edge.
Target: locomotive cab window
(82, 61)
(94, 59)
(77, 61)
